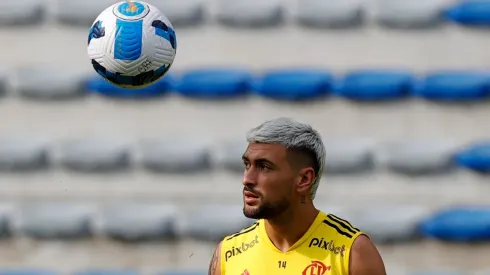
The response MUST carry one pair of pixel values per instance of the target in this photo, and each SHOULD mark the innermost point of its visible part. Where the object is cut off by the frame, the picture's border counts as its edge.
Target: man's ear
(306, 178)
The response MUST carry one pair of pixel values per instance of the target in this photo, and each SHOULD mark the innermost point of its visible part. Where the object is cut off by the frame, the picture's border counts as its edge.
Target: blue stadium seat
(139, 221)
(470, 13)
(212, 222)
(98, 85)
(175, 155)
(107, 272)
(410, 14)
(250, 13)
(182, 13)
(57, 220)
(476, 157)
(293, 84)
(22, 12)
(454, 86)
(28, 271)
(22, 154)
(417, 158)
(94, 154)
(213, 83)
(50, 83)
(459, 224)
(348, 156)
(375, 85)
(330, 13)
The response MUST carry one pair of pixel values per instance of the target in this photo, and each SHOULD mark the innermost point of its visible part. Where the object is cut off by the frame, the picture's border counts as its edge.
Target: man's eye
(263, 167)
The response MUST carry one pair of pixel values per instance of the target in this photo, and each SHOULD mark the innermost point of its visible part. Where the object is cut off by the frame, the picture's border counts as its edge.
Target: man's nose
(250, 176)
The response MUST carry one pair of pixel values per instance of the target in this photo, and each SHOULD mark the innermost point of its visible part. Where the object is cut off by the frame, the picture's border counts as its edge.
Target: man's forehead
(265, 150)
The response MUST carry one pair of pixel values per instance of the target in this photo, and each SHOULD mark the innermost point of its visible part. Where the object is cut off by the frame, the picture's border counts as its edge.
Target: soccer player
(283, 165)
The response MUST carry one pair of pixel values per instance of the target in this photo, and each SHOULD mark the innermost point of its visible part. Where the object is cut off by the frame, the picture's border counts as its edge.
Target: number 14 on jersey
(281, 264)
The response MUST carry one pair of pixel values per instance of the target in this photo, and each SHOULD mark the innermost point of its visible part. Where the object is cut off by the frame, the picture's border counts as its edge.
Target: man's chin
(251, 212)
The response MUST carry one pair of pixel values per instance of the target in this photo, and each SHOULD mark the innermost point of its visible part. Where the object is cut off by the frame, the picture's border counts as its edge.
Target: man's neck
(286, 230)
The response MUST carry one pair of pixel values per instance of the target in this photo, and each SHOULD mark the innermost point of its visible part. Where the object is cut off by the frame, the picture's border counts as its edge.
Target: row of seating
(259, 13)
(135, 221)
(182, 155)
(43, 83)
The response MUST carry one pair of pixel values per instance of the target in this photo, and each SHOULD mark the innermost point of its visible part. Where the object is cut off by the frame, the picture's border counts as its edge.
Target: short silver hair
(294, 135)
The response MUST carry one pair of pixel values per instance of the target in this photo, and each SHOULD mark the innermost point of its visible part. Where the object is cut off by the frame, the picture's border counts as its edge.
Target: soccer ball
(132, 44)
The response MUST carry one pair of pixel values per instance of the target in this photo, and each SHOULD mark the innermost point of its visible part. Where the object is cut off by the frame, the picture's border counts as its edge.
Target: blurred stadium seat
(44, 83)
(331, 13)
(99, 86)
(348, 156)
(182, 13)
(459, 224)
(294, 84)
(121, 187)
(23, 154)
(251, 13)
(418, 157)
(390, 223)
(203, 222)
(135, 222)
(68, 11)
(375, 85)
(410, 14)
(175, 155)
(476, 157)
(6, 220)
(213, 83)
(22, 12)
(94, 154)
(57, 220)
(470, 13)
(454, 86)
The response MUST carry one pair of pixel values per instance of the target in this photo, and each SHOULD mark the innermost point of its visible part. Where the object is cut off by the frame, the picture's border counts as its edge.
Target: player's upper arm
(215, 264)
(365, 258)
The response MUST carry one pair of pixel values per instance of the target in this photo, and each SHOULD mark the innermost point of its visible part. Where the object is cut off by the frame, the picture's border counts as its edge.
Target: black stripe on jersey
(345, 224)
(244, 231)
(327, 222)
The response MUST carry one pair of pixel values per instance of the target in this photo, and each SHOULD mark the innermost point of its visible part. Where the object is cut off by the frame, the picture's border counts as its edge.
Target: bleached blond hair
(293, 135)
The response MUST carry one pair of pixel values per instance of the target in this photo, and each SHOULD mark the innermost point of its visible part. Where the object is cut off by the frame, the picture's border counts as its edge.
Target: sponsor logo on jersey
(327, 245)
(234, 251)
(316, 268)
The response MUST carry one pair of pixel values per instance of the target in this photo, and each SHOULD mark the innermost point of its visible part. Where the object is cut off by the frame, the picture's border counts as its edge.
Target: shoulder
(342, 228)
(365, 258)
(244, 233)
(215, 263)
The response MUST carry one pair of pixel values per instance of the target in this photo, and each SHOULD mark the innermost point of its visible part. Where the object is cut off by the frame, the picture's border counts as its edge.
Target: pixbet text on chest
(329, 246)
(240, 249)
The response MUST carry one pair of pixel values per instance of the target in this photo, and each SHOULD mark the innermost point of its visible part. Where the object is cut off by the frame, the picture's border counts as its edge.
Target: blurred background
(96, 180)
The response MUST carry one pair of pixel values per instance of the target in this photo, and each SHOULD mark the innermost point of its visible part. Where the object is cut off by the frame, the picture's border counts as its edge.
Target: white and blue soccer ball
(132, 44)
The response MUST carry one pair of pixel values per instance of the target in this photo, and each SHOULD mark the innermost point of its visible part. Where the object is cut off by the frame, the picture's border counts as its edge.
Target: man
(283, 165)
